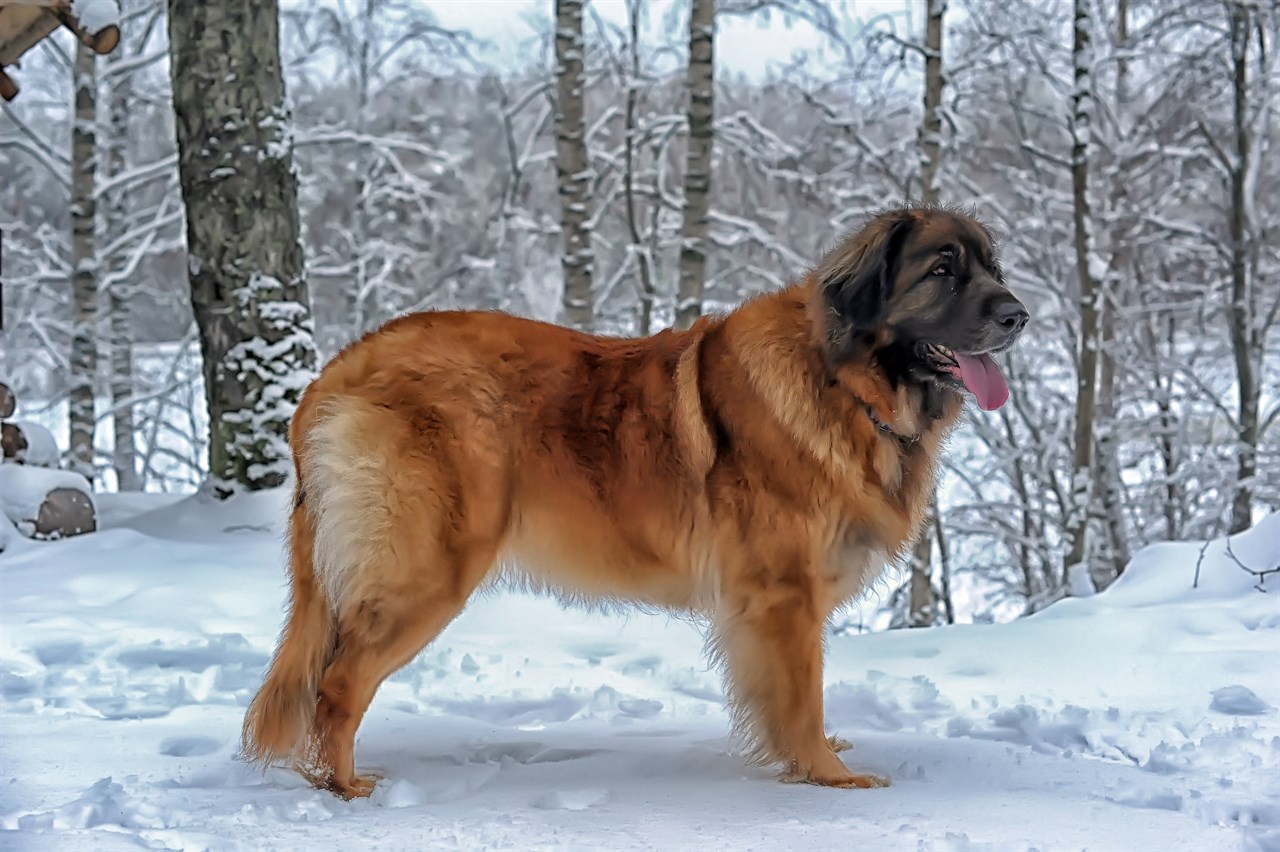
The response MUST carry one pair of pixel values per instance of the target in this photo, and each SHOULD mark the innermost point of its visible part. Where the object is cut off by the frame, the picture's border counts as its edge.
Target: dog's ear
(856, 281)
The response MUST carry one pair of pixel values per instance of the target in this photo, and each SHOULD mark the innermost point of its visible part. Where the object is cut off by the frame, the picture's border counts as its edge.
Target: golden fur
(731, 471)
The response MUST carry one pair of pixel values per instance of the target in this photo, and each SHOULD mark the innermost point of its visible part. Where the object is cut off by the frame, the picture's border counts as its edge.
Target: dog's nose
(1011, 315)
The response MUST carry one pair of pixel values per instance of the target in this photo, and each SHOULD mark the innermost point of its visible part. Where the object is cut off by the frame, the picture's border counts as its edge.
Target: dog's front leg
(768, 633)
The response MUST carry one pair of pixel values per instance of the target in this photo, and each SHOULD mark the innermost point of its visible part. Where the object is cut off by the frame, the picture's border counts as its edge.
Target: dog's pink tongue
(981, 376)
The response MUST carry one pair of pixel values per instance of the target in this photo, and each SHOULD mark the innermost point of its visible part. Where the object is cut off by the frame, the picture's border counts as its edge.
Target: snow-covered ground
(1143, 718)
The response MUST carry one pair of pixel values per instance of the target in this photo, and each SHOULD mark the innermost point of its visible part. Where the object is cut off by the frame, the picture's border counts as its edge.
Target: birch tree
(931, 121)
(124, 457)
(1111, 301)
(84, 266)
(1245, 325)
(632, 154)
(245, 260)
(697, 178)
(573, 167)
(923, 601)
(1075, 569)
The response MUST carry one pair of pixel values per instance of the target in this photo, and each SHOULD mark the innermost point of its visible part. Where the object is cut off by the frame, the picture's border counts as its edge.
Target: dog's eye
(942, 270)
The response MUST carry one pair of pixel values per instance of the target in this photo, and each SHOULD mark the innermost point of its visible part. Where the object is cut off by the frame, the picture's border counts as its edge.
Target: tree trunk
(922, 602)
(364, 300)
(84, 270)
(944, 561)
(124, 454)
(643, 259)
(1075, 578)
(697, 177)
(1246, 342)
(1168, 419)
(248, 290)
(573, 167)
(923, 597)
(930, 136)
(1030, 586)
(1107, 464)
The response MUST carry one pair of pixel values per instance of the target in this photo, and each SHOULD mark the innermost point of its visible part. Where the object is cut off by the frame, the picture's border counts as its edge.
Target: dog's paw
(829, 771)
(359, 787)
(845, 781)
(860, 782)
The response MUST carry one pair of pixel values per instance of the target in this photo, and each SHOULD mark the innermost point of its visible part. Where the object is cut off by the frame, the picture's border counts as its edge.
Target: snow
(1079, 583)
(42, 448)
(96, 15)
(23, 489)
(1142, 717)
(279, 134)
(1237, 700)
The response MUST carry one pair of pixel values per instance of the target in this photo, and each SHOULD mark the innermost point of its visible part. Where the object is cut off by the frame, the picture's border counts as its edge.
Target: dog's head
(921, 293)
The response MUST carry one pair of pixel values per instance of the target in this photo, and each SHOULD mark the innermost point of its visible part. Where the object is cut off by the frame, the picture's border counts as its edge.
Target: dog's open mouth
(979, 373)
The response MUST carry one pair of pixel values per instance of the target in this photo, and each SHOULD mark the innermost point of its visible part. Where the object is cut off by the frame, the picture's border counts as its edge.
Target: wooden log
(24, 23)
(8, 88)
(22, 27)
(13, 443)
(64, 513)
(46, 504)
(29, 443)
(101, 42)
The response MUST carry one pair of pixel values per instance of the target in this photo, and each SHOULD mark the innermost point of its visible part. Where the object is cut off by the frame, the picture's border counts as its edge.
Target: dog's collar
(906, 440)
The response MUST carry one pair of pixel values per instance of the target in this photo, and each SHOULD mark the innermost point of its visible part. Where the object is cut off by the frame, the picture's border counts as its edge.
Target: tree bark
(1174, 499)
(364, 300)
(84, 273)
(697, 178)
(924, 604)
(573, 166)
(1246, 342)
(930, 136)
(1107, 464)
(944, 560)
(124, 454)
(643, 258)
(248, 290)
(1075, 565)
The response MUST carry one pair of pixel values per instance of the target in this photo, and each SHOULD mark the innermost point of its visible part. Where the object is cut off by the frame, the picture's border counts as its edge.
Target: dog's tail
(278, 724)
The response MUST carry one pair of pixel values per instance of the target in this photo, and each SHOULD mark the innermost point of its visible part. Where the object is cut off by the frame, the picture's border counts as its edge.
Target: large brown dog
(758, 469)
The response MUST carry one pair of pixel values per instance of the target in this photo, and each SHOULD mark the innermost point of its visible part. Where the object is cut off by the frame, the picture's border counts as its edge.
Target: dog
(757, 470)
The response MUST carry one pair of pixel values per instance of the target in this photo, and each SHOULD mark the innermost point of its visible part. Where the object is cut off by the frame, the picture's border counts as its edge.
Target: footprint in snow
(189, 746)
(571, 800)
(60, 653)
(219, 650)
(398, 794)
(526, 752)
(594, 652)
(1238, 700)
(639, 708)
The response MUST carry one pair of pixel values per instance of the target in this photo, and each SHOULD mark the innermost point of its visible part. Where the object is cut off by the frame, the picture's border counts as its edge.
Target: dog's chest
(854, 565)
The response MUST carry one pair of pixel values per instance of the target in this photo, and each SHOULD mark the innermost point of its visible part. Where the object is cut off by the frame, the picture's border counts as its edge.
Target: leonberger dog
(757, 470)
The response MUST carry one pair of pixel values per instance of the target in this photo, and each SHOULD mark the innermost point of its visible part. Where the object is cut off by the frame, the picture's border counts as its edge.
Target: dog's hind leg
(377, 635)
(408, 523)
